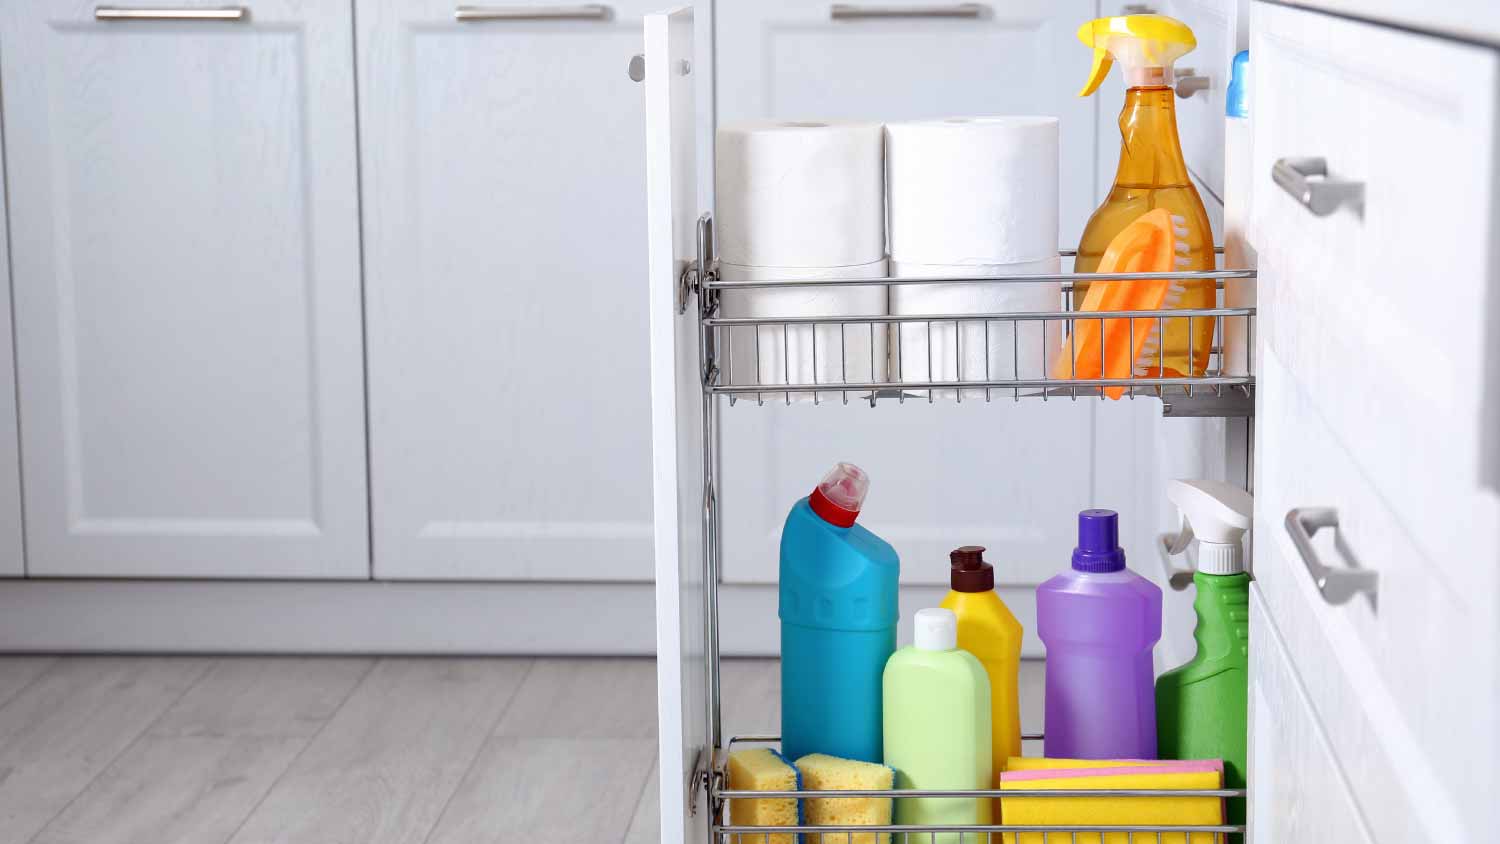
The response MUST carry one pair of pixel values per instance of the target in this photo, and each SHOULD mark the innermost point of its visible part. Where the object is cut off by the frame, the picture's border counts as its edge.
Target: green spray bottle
(1201, 707)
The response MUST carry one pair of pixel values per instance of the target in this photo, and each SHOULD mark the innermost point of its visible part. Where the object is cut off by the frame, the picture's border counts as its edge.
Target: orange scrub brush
(1154, 242)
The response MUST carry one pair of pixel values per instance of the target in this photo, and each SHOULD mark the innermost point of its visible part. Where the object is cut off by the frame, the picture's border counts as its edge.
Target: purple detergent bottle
(1099, 622)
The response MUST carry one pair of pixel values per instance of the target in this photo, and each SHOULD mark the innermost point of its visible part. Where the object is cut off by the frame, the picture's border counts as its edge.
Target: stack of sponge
(763, 769)
(1069, 774)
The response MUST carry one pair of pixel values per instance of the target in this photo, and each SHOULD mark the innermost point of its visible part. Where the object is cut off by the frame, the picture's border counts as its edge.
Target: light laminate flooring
(248, 750)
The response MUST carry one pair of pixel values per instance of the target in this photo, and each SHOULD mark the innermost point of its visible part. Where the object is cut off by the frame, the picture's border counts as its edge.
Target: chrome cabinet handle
(1190, 83)
(222, 13)
(636, 70)
(585, 12)
(1336, 585)
(1306, 179)
(851, 11)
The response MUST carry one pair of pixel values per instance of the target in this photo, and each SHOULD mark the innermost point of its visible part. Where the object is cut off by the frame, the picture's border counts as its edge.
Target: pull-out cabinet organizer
(695, 376)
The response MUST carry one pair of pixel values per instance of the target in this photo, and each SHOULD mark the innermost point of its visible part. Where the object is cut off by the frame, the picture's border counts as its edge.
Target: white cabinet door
(503, 170)
(1007, 475)
(184, 241)
(12, 559)
(677, 423)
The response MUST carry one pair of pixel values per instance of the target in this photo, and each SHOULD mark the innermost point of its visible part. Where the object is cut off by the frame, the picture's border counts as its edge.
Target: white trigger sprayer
(1217, 515)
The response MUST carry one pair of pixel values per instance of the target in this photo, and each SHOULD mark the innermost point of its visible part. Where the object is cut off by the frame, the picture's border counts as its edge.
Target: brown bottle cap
(970, 572)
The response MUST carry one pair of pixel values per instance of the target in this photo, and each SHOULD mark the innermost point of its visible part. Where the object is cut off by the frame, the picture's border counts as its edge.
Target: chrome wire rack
(725, 831)
(765, 340)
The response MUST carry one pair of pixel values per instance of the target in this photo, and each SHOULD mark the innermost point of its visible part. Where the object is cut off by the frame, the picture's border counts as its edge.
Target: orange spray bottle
(1151, 173)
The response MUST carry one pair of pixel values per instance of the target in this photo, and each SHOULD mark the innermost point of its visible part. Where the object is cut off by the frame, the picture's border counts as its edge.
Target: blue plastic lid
(1237, 98)
(1098, 542)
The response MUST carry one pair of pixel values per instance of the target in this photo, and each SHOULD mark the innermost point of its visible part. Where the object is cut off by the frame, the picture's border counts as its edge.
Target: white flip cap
(1217, 514)
(937, 630)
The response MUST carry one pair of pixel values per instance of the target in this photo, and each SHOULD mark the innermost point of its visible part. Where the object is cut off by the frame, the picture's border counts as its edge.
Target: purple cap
(1098, 542)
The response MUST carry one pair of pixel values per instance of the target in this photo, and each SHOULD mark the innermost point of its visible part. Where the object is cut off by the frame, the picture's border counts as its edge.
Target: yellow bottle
(1152, 173)
(988, 630)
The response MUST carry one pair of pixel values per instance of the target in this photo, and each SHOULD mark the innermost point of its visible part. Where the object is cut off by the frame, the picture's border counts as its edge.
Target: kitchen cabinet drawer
(1380, 311)
(1200, 116)
(1298, 792)
(1401, 682)
(184, 230)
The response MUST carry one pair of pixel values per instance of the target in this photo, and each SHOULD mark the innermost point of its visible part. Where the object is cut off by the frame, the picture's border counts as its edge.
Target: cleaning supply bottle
(1099, 622)
(937, 726)
(1151, 173)
(838, 622)
(988, 630)
(1201, 706)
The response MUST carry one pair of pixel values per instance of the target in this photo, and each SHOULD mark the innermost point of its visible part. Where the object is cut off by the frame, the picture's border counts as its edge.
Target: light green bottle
(937, 726)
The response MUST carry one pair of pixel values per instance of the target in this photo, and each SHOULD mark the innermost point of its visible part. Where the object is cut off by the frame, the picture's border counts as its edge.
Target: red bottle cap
(840, 495)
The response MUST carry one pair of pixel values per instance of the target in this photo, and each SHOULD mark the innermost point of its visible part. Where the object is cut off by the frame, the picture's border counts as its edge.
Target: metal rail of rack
(777, 357)
(725, 831)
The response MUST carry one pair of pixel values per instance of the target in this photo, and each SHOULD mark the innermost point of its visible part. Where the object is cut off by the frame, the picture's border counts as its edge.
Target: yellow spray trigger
(1137, 42)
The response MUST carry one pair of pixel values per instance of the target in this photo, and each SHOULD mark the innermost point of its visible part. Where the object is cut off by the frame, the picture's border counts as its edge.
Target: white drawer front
(1381, 314)
(1297, 791)
(1402, 684)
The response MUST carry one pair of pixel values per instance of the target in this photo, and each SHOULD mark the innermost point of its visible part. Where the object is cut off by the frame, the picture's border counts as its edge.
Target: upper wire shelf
(836, 339)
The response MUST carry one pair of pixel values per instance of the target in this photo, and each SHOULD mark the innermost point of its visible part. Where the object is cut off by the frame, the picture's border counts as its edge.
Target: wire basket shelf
(724, 831)
(753, 350)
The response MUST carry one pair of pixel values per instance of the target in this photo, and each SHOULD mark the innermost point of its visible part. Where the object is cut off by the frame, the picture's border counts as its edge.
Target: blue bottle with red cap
(838, 622)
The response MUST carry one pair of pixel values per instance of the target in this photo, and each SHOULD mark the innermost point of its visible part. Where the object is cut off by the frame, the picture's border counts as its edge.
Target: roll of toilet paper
(821, 353)
(972, 190)
(975, 350)
(800, 194)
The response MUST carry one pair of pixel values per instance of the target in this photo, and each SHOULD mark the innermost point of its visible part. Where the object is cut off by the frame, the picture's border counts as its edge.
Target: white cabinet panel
(503, 170)
(791, 59)
(1200, 117)
(1298, 792)
(12, 559)
(678, 497)
(184, 233)
(1007, 475)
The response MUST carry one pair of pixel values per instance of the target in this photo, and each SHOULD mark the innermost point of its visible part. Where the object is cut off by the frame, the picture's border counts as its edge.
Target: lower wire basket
(726, 832)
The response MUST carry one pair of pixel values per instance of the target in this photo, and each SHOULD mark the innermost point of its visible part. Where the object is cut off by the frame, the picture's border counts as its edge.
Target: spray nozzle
(1217, 515)
(1145, 45)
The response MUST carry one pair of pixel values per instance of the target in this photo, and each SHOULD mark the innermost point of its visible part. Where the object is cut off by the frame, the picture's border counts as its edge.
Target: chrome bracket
(698, 781)
(1236, 401)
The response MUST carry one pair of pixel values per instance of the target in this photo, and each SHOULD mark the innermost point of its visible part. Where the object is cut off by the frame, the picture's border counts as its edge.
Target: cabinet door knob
(1306, 180)
(585, 12)
(1190, 83)
(637, 69)
(222, 13)
(1337, 586)
(852, 11)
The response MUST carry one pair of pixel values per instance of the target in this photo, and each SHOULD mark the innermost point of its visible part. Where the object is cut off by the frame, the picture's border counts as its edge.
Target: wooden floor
(158, 750)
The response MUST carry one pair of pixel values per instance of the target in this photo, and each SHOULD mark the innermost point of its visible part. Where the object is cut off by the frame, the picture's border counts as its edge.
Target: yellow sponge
(830, 773)
(763, 769)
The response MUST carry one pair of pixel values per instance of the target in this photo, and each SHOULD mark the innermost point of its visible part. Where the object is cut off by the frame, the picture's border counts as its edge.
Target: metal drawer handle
(850, 11)
(222, 13)
(1178, 579)
(1336, 585)
(1190, 83)
(1306, 179)
(585, 12)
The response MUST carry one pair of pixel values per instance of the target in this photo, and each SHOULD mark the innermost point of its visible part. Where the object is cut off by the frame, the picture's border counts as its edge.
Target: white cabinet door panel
(1008, 475)
(184, 233)
(1298, 791)
(12, 559)
(678, 498)
(503, 170)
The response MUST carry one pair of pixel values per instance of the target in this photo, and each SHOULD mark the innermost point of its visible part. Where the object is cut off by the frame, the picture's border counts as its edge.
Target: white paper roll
(972, 190)
(800, 194)
(978, 350)
(768, 355)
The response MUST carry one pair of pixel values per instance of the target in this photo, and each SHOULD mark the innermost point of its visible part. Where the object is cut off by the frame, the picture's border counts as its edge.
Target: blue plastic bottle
(838, 622)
